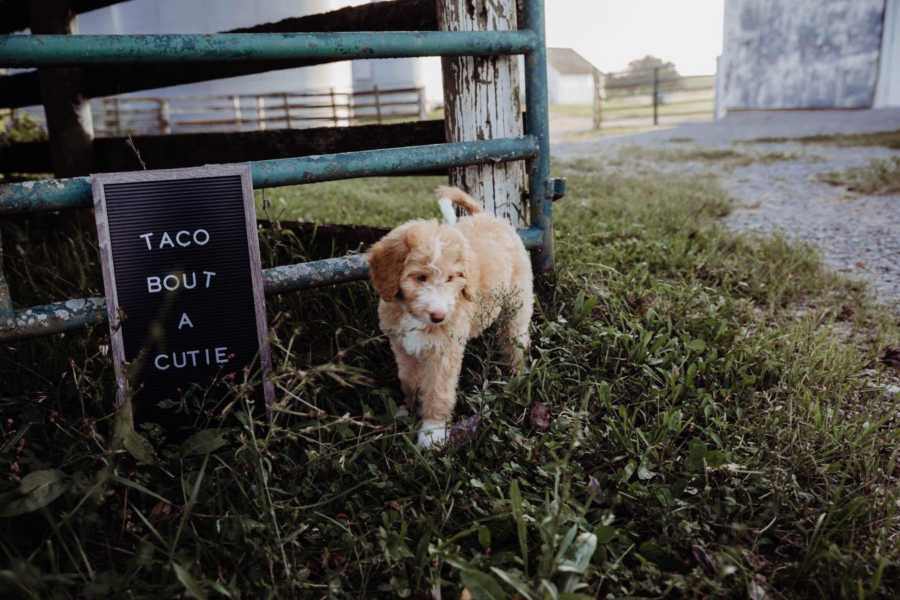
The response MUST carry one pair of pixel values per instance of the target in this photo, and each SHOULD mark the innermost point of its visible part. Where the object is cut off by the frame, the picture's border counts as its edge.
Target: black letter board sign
(183, 283)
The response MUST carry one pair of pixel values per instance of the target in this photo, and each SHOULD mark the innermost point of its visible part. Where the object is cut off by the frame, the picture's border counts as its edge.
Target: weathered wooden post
(377, 103)
(656, 95)
(106, 118)
(287, 110)
(261, 113)
(165, 117)
(423, 104)
(482, 101)
(334, 110)
(599, 92)
(117, 115)
(68, 111)
(236, 105)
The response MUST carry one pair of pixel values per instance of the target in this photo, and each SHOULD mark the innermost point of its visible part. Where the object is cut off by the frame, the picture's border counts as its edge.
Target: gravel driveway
(856, 234)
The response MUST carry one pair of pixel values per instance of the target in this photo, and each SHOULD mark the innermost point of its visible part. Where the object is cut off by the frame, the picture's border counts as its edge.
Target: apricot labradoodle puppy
(439, 284)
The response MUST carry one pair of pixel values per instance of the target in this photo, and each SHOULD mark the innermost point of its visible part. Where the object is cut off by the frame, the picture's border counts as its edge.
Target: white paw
(433, 433)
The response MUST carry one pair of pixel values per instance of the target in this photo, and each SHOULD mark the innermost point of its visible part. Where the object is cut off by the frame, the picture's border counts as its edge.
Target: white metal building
(213, 16)
(887, 92)
(810, 54)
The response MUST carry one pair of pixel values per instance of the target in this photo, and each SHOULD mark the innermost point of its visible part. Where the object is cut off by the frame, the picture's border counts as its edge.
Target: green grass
(887, 139)
(879, 177)
(379, 201)
(702, 417)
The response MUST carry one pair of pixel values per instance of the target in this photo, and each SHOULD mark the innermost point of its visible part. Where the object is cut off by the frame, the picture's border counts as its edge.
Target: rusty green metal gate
(80, 50)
